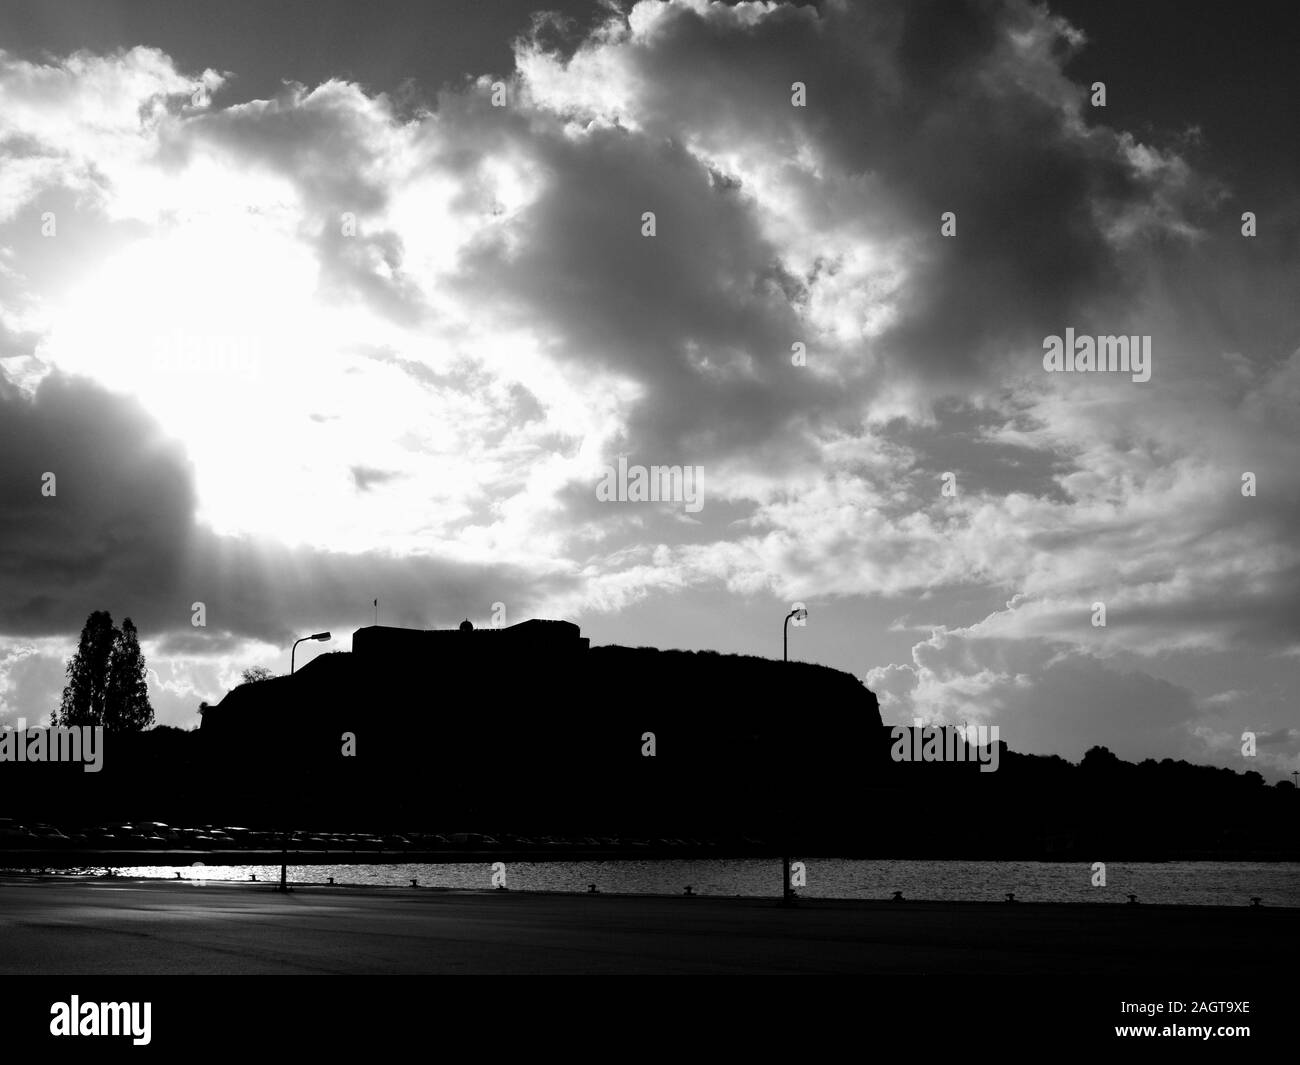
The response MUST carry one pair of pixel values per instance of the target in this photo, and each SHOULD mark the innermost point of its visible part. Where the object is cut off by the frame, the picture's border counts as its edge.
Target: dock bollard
(252, 877)
(898, 896)
(1011, 896)
(689, 890)
(331, 880)
(1255, 900)
(1132, 900)
(414, 882)
(591, 889)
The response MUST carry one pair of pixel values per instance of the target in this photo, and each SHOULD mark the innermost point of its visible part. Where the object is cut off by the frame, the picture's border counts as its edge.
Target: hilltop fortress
(528, 723)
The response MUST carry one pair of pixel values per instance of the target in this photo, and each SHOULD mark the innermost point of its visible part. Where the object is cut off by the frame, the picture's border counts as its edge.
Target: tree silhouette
(128, 708)
(86, 694)
(255, 673)
(1100, 760)
(106, 679)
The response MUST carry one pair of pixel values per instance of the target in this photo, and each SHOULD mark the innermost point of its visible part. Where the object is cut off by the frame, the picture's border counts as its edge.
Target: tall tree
(128, 708)
(86, 693)
(106, 679)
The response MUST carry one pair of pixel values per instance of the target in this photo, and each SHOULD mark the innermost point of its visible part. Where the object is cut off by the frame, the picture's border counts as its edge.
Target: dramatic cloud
(385, 344)
(117, 532)
(97, 505)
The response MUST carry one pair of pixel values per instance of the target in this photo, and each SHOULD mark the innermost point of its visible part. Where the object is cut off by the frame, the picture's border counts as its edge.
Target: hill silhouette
(487, 726)
(527, 730)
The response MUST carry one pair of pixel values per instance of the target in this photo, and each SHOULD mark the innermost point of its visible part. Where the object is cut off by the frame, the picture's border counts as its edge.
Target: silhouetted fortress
(527, 726)
(396, 647)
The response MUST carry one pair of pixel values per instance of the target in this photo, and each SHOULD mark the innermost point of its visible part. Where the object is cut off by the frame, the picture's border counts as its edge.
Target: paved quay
(123, 926)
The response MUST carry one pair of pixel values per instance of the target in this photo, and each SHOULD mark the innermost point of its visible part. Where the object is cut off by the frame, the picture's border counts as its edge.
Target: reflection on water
(1191, 883)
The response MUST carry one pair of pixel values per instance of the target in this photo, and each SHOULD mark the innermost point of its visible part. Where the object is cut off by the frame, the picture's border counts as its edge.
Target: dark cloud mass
(117, 530)
(917, 109)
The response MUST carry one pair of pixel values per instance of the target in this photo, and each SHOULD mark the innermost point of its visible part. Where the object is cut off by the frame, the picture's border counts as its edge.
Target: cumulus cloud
(1049, 696)
(97, 504)
(1042, 700)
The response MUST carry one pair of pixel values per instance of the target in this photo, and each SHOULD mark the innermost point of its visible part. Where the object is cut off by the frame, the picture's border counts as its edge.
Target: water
(1188, 883)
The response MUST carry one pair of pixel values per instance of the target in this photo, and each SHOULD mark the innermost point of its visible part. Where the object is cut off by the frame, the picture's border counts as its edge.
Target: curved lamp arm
(313, 636)
(799, 613)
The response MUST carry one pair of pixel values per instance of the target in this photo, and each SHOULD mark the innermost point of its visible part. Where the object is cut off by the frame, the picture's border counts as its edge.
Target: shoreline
(800, 901)
(67, 857)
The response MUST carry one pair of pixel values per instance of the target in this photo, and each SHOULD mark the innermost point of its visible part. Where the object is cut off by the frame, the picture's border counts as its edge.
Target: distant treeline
(1043, 806)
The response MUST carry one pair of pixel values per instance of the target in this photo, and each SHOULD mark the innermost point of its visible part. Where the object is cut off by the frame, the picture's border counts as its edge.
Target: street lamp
(284, 852)
(798, 614)
(313, 636)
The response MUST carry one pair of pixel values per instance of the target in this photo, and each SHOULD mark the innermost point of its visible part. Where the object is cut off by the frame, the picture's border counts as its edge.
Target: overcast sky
(298, 318)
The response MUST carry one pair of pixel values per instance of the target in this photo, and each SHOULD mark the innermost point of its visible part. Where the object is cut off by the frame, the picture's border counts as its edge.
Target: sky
(305, 305)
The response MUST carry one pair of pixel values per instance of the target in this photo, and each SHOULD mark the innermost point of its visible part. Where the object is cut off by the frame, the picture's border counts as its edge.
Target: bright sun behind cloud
(216, 326)
(219, 325)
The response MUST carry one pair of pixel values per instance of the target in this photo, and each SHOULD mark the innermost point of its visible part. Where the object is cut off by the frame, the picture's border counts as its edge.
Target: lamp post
(284, 842)
(799, 613)
(313, 636)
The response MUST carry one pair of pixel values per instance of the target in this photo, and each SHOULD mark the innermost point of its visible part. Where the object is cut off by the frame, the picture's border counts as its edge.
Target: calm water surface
(1190, 883)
